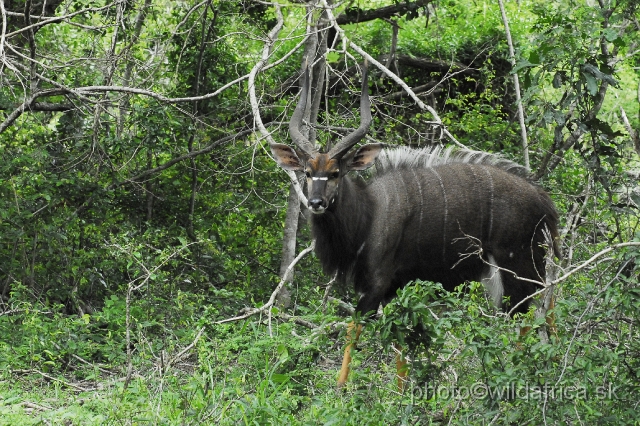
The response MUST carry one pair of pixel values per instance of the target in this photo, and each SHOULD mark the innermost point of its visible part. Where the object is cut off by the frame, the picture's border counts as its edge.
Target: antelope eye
(335, 175)
(307, 174)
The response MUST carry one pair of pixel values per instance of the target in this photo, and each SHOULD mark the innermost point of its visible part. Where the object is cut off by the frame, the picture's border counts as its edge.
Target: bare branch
(3, 34)
(385, 70)
(342, 304)
(516, 85)
(58, 19)
(26, 105)
(190, 346)
(594, 258)
(354, 15)
(272, 299)
(46, 107)
(266, 51)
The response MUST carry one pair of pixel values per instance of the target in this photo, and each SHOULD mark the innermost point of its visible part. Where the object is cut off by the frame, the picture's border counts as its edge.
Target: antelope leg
(401, 367)
(346, 360)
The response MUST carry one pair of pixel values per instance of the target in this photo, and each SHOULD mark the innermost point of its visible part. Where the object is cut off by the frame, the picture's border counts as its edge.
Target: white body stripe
(492, 279)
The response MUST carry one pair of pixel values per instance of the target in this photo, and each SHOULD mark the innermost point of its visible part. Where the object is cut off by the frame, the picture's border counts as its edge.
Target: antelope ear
(286, 157)
(363, 157)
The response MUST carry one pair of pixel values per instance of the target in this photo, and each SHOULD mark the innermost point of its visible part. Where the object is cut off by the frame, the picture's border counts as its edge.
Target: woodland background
(141, 213)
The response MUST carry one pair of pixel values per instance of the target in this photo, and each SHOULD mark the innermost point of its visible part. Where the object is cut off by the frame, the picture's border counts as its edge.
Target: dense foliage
(140, 209)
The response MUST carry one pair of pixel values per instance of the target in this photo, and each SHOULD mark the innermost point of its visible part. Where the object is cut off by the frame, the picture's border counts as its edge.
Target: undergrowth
(468, 366)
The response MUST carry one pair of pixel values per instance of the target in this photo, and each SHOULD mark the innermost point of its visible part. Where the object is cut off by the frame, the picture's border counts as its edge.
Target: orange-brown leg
(346, 360)
(550, 320)
(401, 367)
(523, 331)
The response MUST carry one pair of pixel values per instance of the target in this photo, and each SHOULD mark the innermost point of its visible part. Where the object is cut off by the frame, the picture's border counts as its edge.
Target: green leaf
(592, 84)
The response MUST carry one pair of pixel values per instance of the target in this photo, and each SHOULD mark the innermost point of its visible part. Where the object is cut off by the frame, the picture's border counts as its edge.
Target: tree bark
(283, 298)
(315, 49)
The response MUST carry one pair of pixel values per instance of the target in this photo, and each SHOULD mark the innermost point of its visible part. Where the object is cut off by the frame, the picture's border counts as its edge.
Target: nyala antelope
(418, 216)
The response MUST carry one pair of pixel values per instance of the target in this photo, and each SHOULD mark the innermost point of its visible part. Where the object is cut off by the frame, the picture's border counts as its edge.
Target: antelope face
(323, 172)
(323, 178)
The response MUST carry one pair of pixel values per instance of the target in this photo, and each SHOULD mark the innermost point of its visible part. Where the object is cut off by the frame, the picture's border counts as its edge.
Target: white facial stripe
(319, 178)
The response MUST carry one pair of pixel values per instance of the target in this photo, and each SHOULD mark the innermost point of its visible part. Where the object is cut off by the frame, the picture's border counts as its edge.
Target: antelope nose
(315, 204)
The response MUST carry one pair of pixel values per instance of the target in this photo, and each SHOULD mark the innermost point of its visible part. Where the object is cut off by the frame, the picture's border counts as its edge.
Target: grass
(256, 372)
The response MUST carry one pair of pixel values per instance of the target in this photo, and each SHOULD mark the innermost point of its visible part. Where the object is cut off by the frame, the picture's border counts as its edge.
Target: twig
(255, 108)
(180, 354)
(384, 69)
(55, 379)
(327, 290)
(272, 299)
(298, 320)
(344, 305)
(594, 257)
(34, 406)
(551, 284)
(102, 370)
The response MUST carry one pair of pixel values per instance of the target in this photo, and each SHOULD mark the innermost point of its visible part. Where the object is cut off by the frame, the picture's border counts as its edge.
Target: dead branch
(355, 15)
(266, 53)
(55, 379)
(298, 320)
(272, 299)
(190, 346)
(594, 258)
(26, 105)
(342, 304)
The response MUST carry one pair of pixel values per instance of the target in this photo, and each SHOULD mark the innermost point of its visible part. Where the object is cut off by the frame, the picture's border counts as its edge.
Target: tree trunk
(314, 48)
(283, 299)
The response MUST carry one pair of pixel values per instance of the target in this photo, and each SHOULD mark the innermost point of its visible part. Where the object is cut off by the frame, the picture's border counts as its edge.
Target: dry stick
(572, 220)
(547, 296)
(327, 291)
(272, 299)
(516, 85)
(84, 360)
(264, 57)
(186, 349)
(298, 321)
(33, 405)
(55, 379)
(343, 305)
